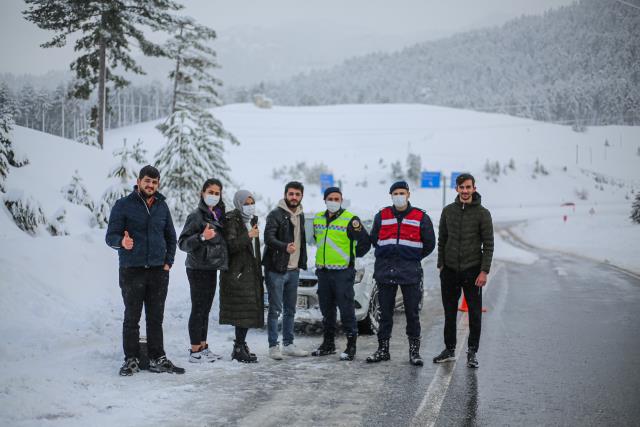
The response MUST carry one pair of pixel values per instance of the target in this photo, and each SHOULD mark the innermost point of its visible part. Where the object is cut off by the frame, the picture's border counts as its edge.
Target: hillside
(577, 65)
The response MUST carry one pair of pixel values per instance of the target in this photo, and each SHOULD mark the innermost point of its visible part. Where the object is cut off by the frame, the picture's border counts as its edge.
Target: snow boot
(241, 354)
(381, 354)
(350, 352)
(327, 347)
(414, 352)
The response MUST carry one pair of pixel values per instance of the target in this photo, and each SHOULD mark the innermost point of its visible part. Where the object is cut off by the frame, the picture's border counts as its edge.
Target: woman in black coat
(241, 292)
(202, 239)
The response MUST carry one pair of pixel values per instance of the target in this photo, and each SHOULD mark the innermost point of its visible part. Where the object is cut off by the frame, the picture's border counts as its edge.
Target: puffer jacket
(241, 291)
(465, 238)
(208, 254)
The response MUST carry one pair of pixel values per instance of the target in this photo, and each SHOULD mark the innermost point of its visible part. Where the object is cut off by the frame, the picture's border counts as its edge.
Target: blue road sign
(430, 179)
(326, 181)
(455, 175)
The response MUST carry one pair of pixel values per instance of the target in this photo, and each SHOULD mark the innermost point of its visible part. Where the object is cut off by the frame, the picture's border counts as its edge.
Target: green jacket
(466, 236)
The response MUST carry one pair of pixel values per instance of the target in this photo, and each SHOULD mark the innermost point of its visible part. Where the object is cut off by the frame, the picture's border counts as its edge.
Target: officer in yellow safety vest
(341, 238)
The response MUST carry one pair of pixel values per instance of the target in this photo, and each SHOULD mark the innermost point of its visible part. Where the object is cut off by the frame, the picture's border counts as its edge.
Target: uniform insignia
(356, 225)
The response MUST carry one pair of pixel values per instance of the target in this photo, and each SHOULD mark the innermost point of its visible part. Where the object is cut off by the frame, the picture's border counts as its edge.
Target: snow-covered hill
(60, 306)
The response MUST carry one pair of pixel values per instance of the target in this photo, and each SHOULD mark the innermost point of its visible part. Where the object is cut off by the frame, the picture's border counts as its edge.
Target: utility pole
(444, 190)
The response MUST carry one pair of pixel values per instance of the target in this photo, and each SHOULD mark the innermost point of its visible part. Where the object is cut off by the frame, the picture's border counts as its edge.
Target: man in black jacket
(402, 235)
(141, 229)
(285, 254)
(465, 251)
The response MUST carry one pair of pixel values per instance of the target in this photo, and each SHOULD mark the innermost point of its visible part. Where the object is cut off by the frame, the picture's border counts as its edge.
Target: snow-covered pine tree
(122, 177)
(635, 210)
(414, 167)
(26, 212)
(396, 171)
(105, 29)
(7, 155)
(194, 150)
(139, 154)
(89, 136)
(75, 192)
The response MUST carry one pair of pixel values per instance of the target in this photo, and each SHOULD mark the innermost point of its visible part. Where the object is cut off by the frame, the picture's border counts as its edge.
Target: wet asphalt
(560, 345)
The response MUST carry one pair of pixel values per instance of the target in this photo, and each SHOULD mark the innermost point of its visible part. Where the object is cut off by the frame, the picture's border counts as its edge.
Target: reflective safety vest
(335, 249)
(402, 238)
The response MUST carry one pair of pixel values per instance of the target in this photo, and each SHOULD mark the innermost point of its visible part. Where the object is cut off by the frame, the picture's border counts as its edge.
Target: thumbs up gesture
(208, 233)
(127, 242)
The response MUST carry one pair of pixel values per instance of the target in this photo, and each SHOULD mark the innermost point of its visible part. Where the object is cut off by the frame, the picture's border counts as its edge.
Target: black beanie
(399, 184)
(331, 190)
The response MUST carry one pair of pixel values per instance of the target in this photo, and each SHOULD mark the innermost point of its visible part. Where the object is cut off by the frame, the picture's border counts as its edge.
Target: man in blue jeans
(285, 254)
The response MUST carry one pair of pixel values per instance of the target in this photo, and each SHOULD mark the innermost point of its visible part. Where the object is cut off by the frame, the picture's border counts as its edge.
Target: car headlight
(359, 276)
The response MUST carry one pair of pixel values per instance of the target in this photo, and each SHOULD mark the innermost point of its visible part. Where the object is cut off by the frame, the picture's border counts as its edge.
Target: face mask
(248, 210)
(332, 207)
(399, 200)
(211, 200)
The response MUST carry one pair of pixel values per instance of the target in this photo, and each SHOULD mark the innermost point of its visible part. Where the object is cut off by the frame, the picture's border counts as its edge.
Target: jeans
(143, 286)
(283, 296)
(202, 284)
(411, 296)
(451, 284)
(335, 289)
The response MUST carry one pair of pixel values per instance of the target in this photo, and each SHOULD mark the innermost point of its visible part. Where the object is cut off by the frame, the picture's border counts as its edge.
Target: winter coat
(151, 228)
(278, 233)
(241, 292)
(465, 238)
(393, 266)
(204, 254)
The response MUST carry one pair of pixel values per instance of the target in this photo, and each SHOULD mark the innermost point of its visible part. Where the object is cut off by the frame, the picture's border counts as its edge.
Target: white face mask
(399, 200)
(248, 210)
(211, 200)
(332, 207)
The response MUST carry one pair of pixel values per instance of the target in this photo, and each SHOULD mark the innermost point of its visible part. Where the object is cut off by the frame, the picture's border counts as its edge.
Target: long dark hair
(208, 183)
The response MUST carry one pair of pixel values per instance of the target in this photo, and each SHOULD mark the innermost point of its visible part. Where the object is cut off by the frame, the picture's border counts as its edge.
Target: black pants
(241, 334)
(335, 289)
(411, 296)
(202, 284)
(143, 286)
(451, 283)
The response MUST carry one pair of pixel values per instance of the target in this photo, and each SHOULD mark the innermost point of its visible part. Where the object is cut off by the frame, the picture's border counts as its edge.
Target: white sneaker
(274, 352)
(209, 355)
(196, 357)
(292, 350)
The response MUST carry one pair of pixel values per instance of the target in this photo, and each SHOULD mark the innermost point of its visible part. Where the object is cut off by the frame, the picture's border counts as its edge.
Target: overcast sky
(280, 29)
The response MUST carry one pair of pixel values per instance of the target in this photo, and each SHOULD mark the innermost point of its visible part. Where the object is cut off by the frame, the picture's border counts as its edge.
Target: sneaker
(209, 355)
(446, 356)
(292, 350)
(162, 364)
(275, 353)
(472, 361)
(196, 356)
(130, 366)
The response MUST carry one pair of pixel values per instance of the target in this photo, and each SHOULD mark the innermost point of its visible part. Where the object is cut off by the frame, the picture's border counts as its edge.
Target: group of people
(218, 241)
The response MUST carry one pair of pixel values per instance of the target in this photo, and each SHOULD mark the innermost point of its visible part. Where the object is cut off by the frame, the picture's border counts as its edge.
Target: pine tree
(26, 211)
(635, 210)
(75, 192)
(106, 30)
(88, 136)
(194, 150)
(122, 176)
(414, 167)
(7, 155)
(396, 171)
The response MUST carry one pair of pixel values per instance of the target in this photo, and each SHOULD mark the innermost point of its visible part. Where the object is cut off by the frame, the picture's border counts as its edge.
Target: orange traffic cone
(465, 308)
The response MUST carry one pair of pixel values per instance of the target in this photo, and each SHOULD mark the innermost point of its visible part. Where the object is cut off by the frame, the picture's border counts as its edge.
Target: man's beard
(290, 205)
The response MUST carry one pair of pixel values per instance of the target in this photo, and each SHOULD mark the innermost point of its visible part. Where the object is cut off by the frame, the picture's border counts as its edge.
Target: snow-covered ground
(60, 306)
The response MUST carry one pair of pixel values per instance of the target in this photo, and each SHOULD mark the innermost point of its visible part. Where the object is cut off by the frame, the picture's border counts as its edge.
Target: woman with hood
(202, 239)
(241, 292)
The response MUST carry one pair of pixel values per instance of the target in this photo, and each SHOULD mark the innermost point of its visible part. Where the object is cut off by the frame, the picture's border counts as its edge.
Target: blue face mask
(211, 200)
(248, 210)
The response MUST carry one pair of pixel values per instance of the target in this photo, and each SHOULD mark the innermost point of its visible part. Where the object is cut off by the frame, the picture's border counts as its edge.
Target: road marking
(429, 409)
